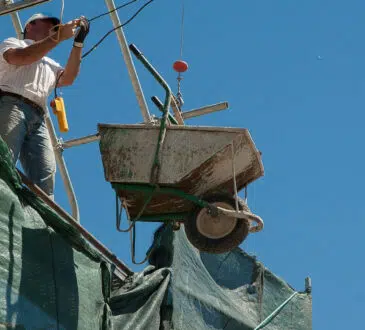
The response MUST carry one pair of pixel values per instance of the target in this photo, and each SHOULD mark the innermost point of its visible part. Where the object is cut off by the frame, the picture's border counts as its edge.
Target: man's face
(39, 29)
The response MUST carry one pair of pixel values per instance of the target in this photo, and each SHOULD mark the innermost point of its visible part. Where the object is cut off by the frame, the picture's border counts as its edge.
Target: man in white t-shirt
(27, 77)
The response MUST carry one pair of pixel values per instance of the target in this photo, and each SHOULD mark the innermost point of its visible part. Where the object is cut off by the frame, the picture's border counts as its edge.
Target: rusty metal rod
(122, 268)
(61, 163)
(9, 7)
(79, 141)
(205, 110)
(14, 17)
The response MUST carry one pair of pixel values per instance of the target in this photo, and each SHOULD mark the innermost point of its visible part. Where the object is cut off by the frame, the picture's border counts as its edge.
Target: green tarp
(52, 278)
(229, 291)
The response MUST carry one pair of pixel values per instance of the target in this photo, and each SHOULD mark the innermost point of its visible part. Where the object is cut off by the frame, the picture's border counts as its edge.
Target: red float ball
(180, 66)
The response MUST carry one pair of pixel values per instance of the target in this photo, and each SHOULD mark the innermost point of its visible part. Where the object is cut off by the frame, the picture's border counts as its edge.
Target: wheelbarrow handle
(161, 136)
(247, 216)
(159, 106)
(133, 48)
(153, 71)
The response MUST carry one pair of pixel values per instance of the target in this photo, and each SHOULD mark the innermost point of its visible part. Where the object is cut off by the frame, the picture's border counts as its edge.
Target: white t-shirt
(35, 81)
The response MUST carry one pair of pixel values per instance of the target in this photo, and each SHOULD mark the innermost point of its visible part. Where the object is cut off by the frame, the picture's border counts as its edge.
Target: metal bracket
(8, 6)
(212, 210)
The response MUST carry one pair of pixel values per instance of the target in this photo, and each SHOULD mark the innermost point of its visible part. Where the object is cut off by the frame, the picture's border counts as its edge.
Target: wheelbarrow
(199, 172)
(169, 172)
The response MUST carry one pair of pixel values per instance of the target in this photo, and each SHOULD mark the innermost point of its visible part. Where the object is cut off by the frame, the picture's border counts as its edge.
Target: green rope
(156, 163)
(161, 136)
(265, 322)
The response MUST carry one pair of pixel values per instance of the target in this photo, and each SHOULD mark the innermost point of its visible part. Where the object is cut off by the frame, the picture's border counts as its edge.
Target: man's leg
(38, 160)
(13, 127)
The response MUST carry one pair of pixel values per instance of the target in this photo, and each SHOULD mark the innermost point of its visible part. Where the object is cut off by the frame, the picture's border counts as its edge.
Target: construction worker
(27, 77)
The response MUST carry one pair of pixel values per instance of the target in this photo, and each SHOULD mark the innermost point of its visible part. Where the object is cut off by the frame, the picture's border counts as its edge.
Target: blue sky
(293, 74)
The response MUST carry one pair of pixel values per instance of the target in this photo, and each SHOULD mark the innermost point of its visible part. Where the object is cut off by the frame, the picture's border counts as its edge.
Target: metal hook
(119, 216)
(132, 236)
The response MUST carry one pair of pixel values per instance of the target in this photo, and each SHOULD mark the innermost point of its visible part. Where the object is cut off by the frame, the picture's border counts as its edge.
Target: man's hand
(84, 28)
(73, 64)
(66, 31)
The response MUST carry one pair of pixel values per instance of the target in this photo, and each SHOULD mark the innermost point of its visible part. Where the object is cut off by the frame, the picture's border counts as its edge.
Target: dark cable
(56, 85)
(106, 35)
(112, 30)
(108, 12)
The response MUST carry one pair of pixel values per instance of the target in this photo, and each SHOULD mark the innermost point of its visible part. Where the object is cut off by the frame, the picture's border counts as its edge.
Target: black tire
(219, 245)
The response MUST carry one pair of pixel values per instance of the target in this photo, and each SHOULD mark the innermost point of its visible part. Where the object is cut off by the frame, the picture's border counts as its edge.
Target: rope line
(182, 28)
(118, 27)
(111, 11)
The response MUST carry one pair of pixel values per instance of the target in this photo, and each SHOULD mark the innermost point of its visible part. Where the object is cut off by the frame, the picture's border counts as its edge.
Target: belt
(34, 105)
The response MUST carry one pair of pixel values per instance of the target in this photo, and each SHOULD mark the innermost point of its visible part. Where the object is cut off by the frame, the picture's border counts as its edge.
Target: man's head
(38, 26)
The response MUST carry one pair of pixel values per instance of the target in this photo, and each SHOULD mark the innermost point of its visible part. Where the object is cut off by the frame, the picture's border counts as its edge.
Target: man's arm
(29, 54)
(72, 68)
(34, 52)
(69, 74)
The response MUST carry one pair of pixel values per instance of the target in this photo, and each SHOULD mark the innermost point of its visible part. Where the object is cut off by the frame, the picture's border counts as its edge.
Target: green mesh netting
(224, 291)
(231, 291)
(52, 278)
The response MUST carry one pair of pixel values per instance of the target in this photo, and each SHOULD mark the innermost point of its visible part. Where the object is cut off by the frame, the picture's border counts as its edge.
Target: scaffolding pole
(128, 61)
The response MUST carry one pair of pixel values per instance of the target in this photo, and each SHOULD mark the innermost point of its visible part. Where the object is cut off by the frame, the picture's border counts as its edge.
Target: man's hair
(25, 28)
(40, 16)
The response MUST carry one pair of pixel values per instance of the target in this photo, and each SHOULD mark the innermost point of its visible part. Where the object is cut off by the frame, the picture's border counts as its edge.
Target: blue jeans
(25, 132)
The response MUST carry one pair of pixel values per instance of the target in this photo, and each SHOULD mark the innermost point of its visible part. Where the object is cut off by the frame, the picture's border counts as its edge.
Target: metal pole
(79, 141)
(129, 62)
(16, 21)
(123, 269)
(205, 110)
(57, 147)
(177, 112)
(17, 25)
(308, 285)
(11, 7)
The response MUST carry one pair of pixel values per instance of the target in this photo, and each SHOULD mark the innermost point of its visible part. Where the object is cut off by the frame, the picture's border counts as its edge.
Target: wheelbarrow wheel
(217, 234)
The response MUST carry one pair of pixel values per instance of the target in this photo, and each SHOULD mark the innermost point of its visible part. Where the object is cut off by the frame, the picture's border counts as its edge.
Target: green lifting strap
(265, 322)
(161, 136)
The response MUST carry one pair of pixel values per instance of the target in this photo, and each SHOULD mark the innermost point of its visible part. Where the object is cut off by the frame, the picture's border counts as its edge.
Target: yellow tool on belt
(59, 110)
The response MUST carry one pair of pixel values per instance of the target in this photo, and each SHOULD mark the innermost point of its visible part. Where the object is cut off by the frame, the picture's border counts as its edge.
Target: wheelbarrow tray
(194, 159)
